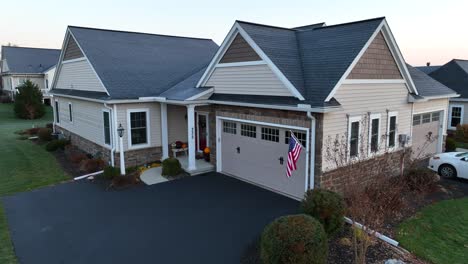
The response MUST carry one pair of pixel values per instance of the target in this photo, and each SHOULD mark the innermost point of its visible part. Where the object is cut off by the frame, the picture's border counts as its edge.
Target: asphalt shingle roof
(426, 85)
(29, 60)
(427, 69)
(454, 75)
(133, 65)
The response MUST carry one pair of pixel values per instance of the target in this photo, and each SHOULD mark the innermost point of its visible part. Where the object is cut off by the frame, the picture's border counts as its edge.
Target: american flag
(294, 152)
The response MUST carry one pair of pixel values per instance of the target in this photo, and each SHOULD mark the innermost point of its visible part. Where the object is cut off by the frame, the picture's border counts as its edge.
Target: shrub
(294, 239)
(450, 145)
(327, 207)
(77, 157)
(28, 101)
(45, 134)
(91, 165)
(57, 144)
(420, 179)
(111, 172)
(171, 167)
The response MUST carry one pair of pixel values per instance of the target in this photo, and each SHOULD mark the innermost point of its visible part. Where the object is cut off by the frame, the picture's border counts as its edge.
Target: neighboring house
(20, 64)
(244, 99)
(428, 68)
(454, 75)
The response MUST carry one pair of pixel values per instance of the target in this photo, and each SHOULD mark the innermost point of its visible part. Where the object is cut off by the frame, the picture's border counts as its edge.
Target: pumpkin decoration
(184, 145)
(206, 150)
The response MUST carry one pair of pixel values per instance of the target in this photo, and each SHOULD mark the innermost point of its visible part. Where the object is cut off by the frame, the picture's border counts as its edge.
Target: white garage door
(258, 154)
(426, 134)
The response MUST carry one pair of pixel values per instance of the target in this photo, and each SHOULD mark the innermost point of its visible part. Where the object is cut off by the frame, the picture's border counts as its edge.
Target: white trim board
(131, 146)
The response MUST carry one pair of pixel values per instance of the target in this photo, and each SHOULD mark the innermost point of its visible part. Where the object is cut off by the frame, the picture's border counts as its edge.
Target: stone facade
(132, 157)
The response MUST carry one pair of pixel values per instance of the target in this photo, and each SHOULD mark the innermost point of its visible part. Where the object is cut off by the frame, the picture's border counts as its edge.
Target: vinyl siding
(17, 80)
(361, 99)
(5, 66)
(87, 119)
(250, 80)
(177, 124)
(154, 121)
(78, 75)
(433, 106)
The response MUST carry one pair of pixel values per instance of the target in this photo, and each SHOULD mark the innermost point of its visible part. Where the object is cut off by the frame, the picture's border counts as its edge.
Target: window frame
(270, 136)
(302, 141)
(129, 128)
(246, 132)
(379, 133)
(462, 110)
(104, 127)
(390, 115)
(352, 120)
(70, 112)
(420, 119)
(57, 111)
(227, 129)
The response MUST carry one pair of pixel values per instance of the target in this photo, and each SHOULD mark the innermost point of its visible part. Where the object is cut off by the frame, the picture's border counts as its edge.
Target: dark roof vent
(428, 64)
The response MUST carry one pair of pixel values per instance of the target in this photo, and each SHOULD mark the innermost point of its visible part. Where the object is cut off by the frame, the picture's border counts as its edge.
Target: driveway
(210, 218)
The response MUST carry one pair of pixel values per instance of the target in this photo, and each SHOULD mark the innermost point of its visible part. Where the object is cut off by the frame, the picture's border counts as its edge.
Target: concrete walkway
(153, 176)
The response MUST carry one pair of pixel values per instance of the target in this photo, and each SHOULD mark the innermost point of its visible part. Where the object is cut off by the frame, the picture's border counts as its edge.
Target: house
(454, 75)
(244, 99)
(428, 68)
(20, 64)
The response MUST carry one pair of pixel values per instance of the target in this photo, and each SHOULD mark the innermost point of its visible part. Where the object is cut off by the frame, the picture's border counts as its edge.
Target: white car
(451, 164)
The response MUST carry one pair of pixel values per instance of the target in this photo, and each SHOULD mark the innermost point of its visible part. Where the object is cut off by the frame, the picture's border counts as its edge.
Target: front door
(202, 131)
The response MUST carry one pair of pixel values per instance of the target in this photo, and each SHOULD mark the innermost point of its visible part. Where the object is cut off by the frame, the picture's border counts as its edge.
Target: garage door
(426, 134)
(258, 154)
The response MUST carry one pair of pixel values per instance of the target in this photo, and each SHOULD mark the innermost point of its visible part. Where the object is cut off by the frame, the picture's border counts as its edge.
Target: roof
(29, 60)
(427, 86)
(313, 58)
(428, 69)
(454, 75)
(133, 64)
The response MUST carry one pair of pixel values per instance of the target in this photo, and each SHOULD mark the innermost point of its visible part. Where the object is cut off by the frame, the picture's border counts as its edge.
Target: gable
(72, 51)
(78, 75)
(239, 51)
(4, 66)
(377, 62)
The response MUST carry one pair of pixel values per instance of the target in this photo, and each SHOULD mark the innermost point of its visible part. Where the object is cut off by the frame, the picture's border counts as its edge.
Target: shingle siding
(239, 51)
(72, 51)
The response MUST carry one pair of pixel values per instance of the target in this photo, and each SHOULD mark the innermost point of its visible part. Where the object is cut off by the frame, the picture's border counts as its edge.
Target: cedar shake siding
(72, 51)
(376, 63)
(239, 51)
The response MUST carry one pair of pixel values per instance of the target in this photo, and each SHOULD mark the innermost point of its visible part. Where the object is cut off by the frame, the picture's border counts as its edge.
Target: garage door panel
(421, 144)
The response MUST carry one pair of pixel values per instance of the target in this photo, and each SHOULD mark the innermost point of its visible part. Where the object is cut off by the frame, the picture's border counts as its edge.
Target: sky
(426, 31)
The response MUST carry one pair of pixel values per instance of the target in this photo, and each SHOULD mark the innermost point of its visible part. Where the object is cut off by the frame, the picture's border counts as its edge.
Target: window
(435, 116)
(47, 83)
(138, 128)
(392, 129)
(426, 118)
(354, 128)
(57, 118)
(70, 112)
(248, 130)
(302, 137)
(374, 133)
(270, 134)
(107, 127)
(456, 115)
(416, 120)
(229, 127)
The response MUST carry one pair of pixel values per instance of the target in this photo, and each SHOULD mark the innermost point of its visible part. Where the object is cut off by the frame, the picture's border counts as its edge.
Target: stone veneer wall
(132, 157)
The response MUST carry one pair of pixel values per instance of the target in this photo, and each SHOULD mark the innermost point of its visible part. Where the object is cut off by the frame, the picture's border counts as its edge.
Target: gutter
(312, 149)
(411, 99)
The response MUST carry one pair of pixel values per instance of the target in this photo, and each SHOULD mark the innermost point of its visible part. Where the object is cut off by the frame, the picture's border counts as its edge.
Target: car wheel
(447, 171)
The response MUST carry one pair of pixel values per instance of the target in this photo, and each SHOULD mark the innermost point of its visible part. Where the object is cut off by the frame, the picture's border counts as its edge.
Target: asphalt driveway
(203, 219)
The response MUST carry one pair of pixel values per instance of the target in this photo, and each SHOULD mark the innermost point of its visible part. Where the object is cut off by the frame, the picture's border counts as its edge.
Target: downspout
(312, 149)
(112, 133)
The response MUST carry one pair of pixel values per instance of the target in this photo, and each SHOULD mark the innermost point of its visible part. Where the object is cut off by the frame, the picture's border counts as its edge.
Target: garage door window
(270, 134)
(426, 118)
(416, 120)
(229, 127)
(299, 135)
(248, 130)
(435, 116)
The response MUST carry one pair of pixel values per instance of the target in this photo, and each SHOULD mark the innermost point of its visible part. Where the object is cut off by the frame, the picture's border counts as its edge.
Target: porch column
(191, 137)
(164, 137)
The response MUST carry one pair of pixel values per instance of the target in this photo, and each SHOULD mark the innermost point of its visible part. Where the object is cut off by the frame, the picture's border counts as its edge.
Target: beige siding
(360, 100)
(251, 80)
(433, 106)
(154, 120)
(18, 80)
(87, 119)
(176, 122)
(72, 51)
(78, 75)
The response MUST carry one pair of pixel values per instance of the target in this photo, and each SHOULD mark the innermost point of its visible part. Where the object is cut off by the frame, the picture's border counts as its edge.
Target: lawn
(23, 166)
(439, 233)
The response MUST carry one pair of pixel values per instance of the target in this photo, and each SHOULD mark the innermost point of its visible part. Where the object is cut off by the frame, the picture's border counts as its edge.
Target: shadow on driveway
(202, 219)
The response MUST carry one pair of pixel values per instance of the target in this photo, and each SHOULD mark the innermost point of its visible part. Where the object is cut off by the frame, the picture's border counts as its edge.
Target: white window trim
(372, 117)
(104, 128)
(450, 115)
(70, 113)
(348, 150)
(390, 115)
(129, 129)
(57, 111)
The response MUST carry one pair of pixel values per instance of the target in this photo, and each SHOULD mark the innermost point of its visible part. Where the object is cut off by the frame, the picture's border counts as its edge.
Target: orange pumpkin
(184, 145)
(206, 150)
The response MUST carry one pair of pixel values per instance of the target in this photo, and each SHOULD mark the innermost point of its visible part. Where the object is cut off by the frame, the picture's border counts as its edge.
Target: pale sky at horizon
(435, 31)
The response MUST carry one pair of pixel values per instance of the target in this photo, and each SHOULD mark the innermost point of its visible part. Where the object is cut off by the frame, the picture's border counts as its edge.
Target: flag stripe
(294, 153)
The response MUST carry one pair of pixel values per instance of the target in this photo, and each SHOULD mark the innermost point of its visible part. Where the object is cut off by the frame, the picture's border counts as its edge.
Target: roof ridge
(18, 47)
(135, 32)
(350, 23)
(263, 25)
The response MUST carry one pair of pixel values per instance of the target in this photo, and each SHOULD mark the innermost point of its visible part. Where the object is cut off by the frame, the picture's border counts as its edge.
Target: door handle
(281, 160)
(238, 150)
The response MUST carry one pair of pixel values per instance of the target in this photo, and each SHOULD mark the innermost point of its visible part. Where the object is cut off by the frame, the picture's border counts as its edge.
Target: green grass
(23, 166)
(439, 233)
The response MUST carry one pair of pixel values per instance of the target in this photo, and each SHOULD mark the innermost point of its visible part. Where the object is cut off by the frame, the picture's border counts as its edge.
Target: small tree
(28, 101)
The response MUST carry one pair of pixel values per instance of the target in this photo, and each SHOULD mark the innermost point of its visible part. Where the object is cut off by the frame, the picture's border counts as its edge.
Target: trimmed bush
(327, 207)
(450, 145)
(57, 144)
(45, 134)
(421, 179)
(171, 167)
(111, 172)
(294, 239)
(28, 101)
(91, 165)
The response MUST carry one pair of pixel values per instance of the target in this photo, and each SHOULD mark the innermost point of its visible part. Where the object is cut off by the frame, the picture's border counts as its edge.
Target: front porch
(201, 166)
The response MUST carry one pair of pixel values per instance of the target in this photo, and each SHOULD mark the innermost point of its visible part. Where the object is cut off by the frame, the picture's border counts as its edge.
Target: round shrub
(450, 145)
(420, 179)
(327, 207)
(45, 134)
(171, 167)
(294, 239)
(57, 144)
(111, 172)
